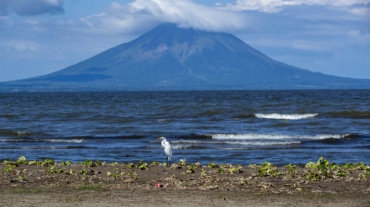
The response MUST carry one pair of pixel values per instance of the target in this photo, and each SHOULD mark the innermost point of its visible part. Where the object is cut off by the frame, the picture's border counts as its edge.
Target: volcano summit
(173, 58)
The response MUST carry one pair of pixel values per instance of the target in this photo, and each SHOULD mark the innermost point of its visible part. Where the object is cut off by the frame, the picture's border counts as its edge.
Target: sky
(38, 37)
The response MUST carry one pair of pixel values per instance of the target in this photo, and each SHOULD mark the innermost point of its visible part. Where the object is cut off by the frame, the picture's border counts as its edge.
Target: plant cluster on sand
(321, 176)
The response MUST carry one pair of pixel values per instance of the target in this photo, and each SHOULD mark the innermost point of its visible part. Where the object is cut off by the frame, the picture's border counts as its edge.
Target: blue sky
(38, 37)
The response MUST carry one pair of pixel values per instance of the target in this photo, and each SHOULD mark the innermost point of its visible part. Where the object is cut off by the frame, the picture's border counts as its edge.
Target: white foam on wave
(21, 133)
(181, 146)
(44, 140)
(163, 120)
(189, 143)
(286, 116)
(275, 136)
(65, 140)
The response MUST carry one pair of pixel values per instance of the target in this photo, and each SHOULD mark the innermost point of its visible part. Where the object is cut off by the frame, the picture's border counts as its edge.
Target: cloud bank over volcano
(43, 36)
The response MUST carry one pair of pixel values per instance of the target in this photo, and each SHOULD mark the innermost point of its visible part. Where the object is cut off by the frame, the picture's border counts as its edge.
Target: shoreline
(256, 185)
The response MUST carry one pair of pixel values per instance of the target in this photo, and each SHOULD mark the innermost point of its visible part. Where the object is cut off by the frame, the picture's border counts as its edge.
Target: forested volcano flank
(173, 58)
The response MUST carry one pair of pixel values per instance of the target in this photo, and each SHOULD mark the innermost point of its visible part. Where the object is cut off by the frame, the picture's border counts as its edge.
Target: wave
(250, 143)
(7, 132)
(74, 139)
(244, 116)
(195, 136)
(187, 146)
(179, 145)
(44, 140)
(164, 120)
(286, 116)
(351, 114)
(65, 140)
(45, 147)
(277, 136)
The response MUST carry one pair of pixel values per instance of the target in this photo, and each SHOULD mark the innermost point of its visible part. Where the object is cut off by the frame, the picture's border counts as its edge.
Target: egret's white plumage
(167, 148)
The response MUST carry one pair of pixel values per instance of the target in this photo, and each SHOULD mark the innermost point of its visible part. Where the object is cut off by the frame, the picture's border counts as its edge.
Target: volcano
(173, 58)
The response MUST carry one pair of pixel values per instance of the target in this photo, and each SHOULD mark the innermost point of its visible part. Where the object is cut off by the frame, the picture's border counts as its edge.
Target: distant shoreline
(16, 90)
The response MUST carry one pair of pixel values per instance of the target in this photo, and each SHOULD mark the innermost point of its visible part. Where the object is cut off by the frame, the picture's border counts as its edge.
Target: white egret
(167, 148)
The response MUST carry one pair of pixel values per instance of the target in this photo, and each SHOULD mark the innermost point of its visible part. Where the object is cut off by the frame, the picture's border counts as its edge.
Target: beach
(73, 197)
(47, 183)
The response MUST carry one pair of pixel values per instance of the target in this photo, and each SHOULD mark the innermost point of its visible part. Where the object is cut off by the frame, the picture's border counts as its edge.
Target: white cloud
(32, 7)
(31, 22)
(273, 6)
(5, 21)
(143, 14)
(353, 33)
(358, 37)
(363, 11)
(21, 45)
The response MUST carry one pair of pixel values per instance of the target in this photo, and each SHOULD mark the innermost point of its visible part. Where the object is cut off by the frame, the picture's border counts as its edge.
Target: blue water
(220, 126)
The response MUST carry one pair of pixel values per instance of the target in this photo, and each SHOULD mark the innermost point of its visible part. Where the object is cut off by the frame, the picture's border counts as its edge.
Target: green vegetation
(142, 165)
(221, 171)
(235, 169)
(22, 160)
(48, 162)
(292, 169)
(33, 162)
(133, 175)
(323, 169)
(71, 172)
(154, 163)
(9, 166)
(203, 173)
(83, 172)
(191, 169)
(53, 170)
(313, 171)
(21, 191)
(98, 163)
(22, 178)
(88, 163)
(182, 162)
(354, 166)
(89, 187)
(212, 165)
(267, 169)
(66, 163)
(130, 165)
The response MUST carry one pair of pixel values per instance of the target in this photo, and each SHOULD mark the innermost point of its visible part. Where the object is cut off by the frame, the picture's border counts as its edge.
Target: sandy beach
(46, 183)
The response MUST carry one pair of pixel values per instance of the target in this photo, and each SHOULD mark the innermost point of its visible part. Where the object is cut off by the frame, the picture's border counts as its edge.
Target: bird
(167, 148)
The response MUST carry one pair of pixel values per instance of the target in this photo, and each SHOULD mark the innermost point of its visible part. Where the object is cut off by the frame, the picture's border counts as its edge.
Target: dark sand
(120, 185)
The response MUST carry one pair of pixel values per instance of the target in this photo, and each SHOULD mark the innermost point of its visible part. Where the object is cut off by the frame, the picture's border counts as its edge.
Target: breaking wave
(286, 116)
(249, 143)
(44, 140)
(277, 136)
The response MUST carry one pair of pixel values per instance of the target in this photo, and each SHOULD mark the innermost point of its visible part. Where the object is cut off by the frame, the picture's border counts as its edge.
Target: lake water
(241, 127)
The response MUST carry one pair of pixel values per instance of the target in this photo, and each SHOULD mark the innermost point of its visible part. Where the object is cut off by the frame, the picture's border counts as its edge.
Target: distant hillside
(172, 58)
